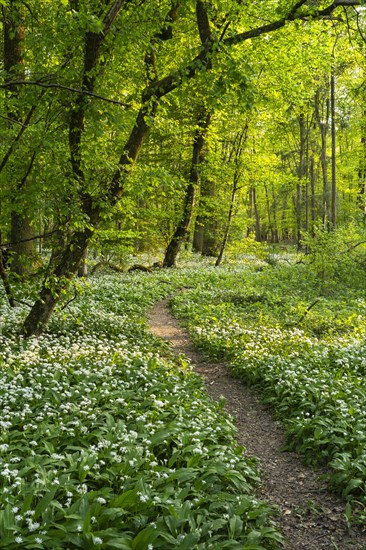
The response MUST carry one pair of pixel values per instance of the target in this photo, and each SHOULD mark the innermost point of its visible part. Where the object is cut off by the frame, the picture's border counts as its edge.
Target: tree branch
(203, 23)
(4, 277)
(296, 7)
(355, 246)
(111, 15)
(71, 300)
(24, 126)
(307, 311)
(12, 120)
(9, 244)
(169, 83)
(63, 87)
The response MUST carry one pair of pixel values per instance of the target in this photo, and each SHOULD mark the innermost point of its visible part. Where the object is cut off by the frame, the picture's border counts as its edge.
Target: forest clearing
(205, 159)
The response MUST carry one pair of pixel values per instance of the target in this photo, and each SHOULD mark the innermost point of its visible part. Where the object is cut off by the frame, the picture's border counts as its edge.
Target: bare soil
(310, 517)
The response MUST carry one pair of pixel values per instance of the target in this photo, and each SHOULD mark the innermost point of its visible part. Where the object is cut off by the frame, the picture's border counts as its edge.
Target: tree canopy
(135, 125)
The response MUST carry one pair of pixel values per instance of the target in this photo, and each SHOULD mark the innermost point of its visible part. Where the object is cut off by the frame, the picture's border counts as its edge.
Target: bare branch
(307, 311)
(275, 25)
(9, 244)
(13, 120)
(22, 302)
(62, 87)
(337, 4)
(24, 126)
(71, 300)
(296, 7)
(355, 246)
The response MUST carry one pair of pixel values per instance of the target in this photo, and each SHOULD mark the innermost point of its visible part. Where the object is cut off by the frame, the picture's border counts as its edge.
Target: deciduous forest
(213, 152)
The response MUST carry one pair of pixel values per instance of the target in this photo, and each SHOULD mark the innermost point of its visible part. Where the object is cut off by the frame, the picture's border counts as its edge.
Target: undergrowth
(301, 342)
(107, 441)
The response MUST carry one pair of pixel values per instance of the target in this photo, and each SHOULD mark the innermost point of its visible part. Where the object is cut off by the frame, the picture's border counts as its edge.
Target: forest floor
(310, 517)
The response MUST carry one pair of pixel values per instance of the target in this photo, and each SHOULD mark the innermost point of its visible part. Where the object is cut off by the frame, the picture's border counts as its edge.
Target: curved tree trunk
(62, 268)
(228, 226)
(237, 151)
(64, 264)
(182, 229)
(333, 210)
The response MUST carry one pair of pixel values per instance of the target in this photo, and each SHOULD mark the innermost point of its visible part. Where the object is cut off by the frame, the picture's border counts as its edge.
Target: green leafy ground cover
(108, 442)
(301, 340)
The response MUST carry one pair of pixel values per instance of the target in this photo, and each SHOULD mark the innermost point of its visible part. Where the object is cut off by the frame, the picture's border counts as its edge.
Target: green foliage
(337, 257)
(305, 353)
(108, 442)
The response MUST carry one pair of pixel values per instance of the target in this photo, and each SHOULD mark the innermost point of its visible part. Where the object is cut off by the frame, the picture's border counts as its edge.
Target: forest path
(311, 518)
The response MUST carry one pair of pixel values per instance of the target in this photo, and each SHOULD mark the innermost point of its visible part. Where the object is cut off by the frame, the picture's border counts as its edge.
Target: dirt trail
(311, 517)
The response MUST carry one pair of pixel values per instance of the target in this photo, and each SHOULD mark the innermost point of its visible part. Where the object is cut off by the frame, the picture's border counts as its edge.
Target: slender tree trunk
(306, 205)
(323, 123)
(250, 212)
(270, 227)
(205, 238)
(361, 196)
(198, 234)
(236, 153)
(182, 229)
(275, 223)
(258, 236)
(312, 187)
(301, 174)
(228, 224)
(333, 218)
(83, 266)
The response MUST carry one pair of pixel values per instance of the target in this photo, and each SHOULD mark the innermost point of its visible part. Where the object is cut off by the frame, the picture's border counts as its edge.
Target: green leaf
(145, 537)
(44, 503)
(122, 543)
(126, 500)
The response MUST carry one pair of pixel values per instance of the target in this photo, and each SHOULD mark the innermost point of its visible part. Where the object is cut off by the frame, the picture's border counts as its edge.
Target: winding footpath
(310, 517)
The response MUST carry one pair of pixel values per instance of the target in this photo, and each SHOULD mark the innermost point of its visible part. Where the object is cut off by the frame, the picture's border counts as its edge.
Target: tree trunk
(182, 229)
(83, 266)
(5, 280)
(323, 123)
(22, 244)
(62, 268)
(21, 233)
(205, 229)
(333, 217)
(361, 196)
(301, 174)
(312, 187)
(270, 227)
(258, 236)
(198, 235)
(237, 151)
(275, 224)
(228, 224)
(64, 264)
